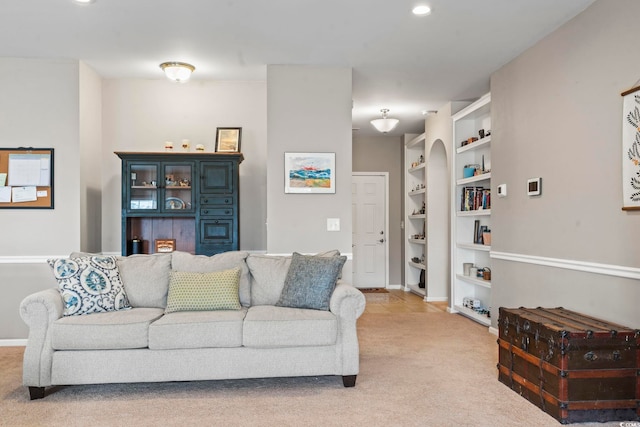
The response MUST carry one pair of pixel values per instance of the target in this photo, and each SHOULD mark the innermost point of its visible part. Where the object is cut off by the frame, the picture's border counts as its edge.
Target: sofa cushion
(267, 277)
(104, 331)
(268, 273)
(146, 279)
(203, 291)
(90, 284)
(197, 329)
(184, 261)
(269, 326)
(310, 281)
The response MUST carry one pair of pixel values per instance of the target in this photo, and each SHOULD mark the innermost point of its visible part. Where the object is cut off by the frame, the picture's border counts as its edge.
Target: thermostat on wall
(534, 186)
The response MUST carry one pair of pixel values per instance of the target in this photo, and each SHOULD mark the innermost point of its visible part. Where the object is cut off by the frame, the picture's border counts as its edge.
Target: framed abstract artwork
(309, 173)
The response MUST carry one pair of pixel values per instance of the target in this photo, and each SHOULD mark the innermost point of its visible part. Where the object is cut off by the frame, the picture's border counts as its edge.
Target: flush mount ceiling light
(385, 124)
(177, 71)
(421, 10)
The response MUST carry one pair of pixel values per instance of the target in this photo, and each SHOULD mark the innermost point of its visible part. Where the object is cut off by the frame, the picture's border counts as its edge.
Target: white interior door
(370, 245)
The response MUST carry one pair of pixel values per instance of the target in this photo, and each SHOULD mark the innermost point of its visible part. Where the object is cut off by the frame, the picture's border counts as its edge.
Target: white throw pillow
(89, 284)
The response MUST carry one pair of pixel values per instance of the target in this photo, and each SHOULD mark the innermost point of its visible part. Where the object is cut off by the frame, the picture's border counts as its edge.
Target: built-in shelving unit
(415, 183)
(471, 211)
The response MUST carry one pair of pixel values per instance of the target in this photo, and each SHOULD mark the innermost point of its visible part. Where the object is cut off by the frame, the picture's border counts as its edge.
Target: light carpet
(417, 369)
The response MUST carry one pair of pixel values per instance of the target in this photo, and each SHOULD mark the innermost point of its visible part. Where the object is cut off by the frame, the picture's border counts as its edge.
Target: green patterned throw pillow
(89, 284)
(190, 291)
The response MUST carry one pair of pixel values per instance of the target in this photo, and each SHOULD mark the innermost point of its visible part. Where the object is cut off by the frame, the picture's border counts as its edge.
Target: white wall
(309, 111)
(438, 143)
(140, 115)
(557, 114)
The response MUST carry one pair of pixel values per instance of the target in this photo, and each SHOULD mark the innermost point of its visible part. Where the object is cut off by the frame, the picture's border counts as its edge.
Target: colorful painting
(631, 149)
(309, 172)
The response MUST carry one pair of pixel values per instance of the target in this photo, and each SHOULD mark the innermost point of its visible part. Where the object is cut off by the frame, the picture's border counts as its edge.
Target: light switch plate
(333, 224)
(534, 186)
(502, 190)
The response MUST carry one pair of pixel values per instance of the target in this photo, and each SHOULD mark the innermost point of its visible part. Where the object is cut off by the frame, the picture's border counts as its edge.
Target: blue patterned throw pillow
(310, 281)
(90, 284)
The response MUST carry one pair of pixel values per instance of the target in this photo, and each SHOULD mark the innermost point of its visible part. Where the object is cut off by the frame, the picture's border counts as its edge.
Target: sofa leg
(349, 380)
(36, 392)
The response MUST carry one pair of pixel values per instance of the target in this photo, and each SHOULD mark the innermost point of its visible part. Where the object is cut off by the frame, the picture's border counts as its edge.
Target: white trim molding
(13, 343)
(587, 267)
(40, 259)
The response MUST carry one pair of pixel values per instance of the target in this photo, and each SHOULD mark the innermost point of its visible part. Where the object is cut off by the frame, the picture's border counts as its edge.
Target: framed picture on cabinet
(165, 245)
(228, 140)
(309, 173)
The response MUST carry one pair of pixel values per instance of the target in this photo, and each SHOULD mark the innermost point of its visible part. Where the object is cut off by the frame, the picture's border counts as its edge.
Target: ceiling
(402, 62)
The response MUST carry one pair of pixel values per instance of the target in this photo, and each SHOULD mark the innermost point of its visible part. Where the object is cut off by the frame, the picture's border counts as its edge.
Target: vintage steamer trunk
(574, 367)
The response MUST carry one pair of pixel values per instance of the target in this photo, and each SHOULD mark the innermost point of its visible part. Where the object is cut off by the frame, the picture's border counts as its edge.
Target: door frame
(385, 175)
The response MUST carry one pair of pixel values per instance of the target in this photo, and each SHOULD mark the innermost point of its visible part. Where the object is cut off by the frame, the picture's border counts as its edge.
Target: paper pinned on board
(5, 194)
(23, 194)
(30, 170)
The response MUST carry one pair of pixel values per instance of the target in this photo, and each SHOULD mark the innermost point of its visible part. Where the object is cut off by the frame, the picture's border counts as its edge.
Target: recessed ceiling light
(84, 1)
(421, 10)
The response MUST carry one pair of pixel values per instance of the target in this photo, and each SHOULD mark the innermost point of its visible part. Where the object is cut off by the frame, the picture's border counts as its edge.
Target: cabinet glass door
(144, 187)
(177, 185)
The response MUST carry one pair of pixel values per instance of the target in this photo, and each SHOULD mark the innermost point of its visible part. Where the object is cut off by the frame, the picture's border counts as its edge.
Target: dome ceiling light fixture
(385, 124)
(177, 71)
(421, 10)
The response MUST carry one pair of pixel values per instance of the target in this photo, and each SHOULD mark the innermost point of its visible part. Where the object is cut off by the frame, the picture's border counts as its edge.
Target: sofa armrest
(347, 301)
(38, 311)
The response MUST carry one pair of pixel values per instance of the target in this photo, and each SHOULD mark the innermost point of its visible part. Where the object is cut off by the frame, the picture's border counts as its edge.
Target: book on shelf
(474, 198)
(476, 230)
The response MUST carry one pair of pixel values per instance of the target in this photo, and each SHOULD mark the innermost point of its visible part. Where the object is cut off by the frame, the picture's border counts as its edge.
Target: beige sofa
(145, 344)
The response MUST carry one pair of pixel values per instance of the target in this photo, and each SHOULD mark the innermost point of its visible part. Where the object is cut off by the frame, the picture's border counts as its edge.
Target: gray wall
(140, 115)
(90, 133)
(39, 105)
(86, 120)
(309, 110)
(385, 154)
(557, 114)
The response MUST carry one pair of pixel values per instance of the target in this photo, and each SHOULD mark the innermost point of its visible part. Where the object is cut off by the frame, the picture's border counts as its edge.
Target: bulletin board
(26, 178)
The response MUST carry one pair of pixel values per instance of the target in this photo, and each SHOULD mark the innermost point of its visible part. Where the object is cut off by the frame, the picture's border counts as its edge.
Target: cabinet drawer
(217, 231)
(213, 200)
(216, 211)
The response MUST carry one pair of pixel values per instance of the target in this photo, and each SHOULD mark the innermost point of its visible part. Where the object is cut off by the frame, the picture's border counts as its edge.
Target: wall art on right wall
(631, 149)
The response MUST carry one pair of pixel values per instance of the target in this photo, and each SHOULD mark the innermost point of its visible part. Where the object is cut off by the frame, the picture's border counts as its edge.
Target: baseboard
(394, 286)
(436, 299)
(13, 343)
(493, 330)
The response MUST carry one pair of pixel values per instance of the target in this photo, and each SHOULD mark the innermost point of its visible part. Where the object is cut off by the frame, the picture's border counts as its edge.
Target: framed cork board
(26, 178)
